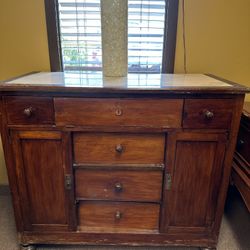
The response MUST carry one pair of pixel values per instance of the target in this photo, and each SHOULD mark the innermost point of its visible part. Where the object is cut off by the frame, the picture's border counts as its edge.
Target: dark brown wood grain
(101, 148)
(101, 216)
(42, 110)
(126, 112)
(195, 164)
(195, 113)
(41, 188)
(122, 185)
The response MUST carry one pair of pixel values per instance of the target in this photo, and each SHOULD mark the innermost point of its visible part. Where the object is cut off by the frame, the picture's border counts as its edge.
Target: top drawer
(29, 110)
(207, 113)
(128, 112)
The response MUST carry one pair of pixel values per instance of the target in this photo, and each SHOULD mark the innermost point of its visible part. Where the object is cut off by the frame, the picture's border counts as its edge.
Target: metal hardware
(28, 111)
(118, 112)
(118, 187)
(118, 215)
(208, 114)
(119, 148)
(240, 143)
(168, 181)
(68, 182)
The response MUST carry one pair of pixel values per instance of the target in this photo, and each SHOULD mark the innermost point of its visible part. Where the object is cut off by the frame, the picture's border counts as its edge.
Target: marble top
(95, 81)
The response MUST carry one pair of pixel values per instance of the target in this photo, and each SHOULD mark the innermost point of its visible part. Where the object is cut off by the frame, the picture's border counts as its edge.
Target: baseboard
(4, 190)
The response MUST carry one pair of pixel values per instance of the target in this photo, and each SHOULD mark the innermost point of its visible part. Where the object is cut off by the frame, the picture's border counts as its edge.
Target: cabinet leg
(27, 247)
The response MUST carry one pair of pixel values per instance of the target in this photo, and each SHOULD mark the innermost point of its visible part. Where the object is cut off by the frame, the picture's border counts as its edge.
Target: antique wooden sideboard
(139, 160)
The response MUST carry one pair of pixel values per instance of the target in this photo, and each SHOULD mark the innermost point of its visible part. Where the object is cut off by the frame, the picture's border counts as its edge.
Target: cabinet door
(42, 163)
(194, 163)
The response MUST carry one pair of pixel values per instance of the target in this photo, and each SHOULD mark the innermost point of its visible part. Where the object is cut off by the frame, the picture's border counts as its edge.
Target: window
(74, 34)
(146, 21)
(80, 34)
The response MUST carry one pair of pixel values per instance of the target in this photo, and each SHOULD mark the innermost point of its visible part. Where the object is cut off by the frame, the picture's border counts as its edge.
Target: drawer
(208, 113)
(123, 185)
(118, 112)
(121, 148)
(115, 216)
(29, 110)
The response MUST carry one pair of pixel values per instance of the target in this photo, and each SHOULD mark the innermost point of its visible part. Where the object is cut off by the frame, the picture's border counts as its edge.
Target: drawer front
(123, 185)
(115, 216)
(121, 148)
(29, 110)
(118, 112)
(207, 113)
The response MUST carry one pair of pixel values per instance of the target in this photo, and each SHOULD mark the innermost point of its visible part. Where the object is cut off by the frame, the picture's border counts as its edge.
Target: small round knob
(118, 215)
(240, 143)
(118, 112)
(118, 187)
(208, 114)
(119, 148)
(28, 111)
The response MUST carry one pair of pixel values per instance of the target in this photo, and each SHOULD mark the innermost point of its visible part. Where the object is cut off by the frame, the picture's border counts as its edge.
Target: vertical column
(114, 37)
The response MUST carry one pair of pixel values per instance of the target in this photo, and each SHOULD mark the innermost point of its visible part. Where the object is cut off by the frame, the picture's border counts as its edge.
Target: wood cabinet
(119, 165)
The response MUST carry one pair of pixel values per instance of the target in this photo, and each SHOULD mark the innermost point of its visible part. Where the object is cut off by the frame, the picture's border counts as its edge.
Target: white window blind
(80, 34)
(145, 35)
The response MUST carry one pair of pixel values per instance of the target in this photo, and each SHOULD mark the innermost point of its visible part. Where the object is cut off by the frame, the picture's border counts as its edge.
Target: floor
(235, 229)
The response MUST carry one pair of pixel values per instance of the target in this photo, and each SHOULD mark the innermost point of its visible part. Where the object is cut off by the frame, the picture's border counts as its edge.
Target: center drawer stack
(118, 180)
(118, 175)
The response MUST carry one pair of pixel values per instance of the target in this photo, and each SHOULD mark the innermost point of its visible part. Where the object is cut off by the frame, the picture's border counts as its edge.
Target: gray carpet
(235, 229)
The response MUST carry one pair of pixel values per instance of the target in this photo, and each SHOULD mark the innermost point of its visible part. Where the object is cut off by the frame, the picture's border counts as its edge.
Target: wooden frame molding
(53, 31)
(169, 45)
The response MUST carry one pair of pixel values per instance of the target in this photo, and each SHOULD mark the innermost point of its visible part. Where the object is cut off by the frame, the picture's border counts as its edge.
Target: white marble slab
(96, 79)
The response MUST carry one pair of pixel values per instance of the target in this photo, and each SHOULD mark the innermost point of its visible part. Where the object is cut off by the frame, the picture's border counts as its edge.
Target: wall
(217, 37)
(23, 44)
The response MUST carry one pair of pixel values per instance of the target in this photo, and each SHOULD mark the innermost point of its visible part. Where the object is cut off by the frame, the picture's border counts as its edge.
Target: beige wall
(217, 35)
(217, 39)
(23, 44)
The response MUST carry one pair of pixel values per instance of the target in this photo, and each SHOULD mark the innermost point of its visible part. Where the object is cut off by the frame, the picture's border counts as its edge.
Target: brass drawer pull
(209, 115)
(118, 215)
(118, 187)
(28, 111)
(119, 148)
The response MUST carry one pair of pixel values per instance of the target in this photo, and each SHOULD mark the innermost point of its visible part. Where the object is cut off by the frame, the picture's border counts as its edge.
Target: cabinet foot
(27, 247)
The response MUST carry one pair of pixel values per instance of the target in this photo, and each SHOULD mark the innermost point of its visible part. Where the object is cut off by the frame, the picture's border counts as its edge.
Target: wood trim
(121, 239)
(53, 31)
(119, 166)
(169, 45)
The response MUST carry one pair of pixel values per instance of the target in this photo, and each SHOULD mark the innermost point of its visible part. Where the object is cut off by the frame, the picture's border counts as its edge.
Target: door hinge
(68, 181)
(168, 181)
